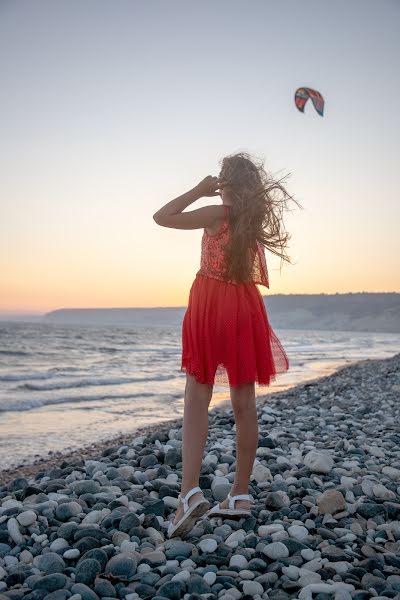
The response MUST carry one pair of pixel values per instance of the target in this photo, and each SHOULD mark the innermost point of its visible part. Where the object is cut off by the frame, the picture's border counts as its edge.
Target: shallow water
(67, 386)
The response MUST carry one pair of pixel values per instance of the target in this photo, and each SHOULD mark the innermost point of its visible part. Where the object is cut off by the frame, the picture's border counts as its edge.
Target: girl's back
(212, 261)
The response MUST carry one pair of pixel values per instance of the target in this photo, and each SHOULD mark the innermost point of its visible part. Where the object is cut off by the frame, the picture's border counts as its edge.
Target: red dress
(226, 336)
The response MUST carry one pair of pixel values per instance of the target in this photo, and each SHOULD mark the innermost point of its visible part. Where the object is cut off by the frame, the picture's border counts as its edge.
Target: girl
(226, 335)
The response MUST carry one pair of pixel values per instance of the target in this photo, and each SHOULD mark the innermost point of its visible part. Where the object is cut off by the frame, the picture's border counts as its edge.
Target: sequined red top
(212, 255)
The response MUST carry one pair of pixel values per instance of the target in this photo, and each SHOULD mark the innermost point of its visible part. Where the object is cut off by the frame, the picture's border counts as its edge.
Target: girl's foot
(190, 512)
(238, 503)
(179, 511)
(235, 506)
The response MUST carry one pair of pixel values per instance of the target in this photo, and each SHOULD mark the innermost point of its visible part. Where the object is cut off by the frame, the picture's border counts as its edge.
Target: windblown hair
(258, 201)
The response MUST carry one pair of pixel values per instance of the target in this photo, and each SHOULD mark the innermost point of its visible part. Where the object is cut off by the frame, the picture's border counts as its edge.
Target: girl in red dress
(226, 336)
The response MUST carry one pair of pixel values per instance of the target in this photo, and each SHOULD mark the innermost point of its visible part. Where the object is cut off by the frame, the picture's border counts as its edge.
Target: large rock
(171, 589)
(298, 532)
(14, 532)
(27, 518)
(381, 491)
(50, 562)
(331, 501)
(50, 583)
(261, 473)
(208, 545)
(87, 571)
(277, 500)
(318, 462)
(85, 486)
(84, 591)
(391, 472)
(122, 566)
(220, 487)
(174, 548)
(276, 550)
(252, 588)
(66, 510)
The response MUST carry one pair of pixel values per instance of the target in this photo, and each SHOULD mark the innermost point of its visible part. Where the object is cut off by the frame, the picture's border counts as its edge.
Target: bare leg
(244, 407)
(195, 428)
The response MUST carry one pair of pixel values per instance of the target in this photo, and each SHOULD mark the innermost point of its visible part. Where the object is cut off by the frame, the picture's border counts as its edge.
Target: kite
(303, 94)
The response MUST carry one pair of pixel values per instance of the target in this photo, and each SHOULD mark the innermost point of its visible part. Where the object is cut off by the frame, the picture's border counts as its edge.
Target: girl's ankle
(239, 492)
(185, 490)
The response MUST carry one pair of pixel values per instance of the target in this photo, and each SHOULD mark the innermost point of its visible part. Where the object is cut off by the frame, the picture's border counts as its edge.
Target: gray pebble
(121, 566)
(50, 583)
(276, 550)
(27, 518)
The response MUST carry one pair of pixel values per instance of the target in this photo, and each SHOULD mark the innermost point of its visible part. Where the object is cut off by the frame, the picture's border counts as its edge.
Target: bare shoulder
(218, 211)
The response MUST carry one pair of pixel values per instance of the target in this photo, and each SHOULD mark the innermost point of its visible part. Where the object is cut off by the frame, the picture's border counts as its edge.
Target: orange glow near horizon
(98, 136)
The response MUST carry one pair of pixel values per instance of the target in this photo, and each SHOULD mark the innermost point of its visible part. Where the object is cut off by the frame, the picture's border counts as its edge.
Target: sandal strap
(232, 499)
(185, 499)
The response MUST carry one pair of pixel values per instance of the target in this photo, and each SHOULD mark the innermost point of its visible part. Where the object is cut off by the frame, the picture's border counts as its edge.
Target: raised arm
(192, 219)
(171, 215)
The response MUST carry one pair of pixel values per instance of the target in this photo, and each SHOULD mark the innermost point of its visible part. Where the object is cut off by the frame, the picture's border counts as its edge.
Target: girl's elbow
(156, 218)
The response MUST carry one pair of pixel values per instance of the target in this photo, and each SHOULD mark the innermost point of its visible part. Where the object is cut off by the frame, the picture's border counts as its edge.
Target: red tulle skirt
(226, 335)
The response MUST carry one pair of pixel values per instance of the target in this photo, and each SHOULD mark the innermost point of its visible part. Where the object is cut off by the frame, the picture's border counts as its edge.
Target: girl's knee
(243, 392)
(196, 391)
(243, 399)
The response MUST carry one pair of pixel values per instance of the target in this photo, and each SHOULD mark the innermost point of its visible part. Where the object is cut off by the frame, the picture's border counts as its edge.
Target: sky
(109, 110)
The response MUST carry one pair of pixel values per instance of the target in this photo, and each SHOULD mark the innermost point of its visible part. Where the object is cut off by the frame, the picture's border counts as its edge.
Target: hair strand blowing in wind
(258, 204)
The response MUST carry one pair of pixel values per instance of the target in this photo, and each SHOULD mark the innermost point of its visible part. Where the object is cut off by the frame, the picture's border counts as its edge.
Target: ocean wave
(23, 376)
(114, 349)
(32, 403)
(49, 374)
(79, 383)
(14, 353)
(61, 369)
(108, 349)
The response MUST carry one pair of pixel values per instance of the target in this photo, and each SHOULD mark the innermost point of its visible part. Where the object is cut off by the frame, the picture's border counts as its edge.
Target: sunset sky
(111, 109)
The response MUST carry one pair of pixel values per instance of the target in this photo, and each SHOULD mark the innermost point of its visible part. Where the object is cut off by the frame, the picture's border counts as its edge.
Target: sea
(67, 386)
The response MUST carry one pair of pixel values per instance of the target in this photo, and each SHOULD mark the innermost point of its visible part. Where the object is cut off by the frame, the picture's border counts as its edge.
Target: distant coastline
(374, 312)
(363, 312)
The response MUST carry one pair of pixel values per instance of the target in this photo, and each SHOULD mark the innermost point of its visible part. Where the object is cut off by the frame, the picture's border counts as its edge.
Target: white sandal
(190, 514)
(217, 511)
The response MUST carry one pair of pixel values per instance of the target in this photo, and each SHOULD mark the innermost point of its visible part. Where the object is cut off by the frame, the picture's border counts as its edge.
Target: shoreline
(324, 518)
(52, 459)
(94, 450)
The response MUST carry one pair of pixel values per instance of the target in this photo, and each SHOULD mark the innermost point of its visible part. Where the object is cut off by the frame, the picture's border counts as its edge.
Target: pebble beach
(325, 520)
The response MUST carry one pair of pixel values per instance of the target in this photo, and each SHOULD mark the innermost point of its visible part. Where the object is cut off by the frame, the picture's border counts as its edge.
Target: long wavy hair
(258, 202)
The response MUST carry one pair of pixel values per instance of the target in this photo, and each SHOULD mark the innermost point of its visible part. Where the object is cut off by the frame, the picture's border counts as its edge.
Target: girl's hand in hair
(209, 186)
